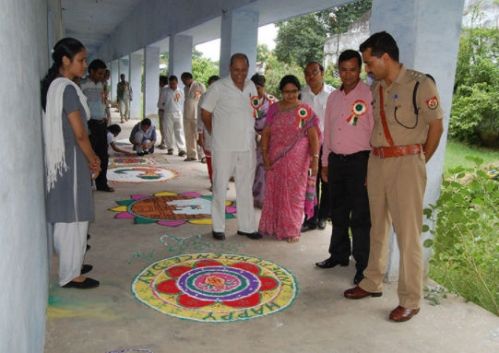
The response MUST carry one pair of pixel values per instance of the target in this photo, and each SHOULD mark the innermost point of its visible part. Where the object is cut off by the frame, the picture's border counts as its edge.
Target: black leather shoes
(86, 284)
(358, 277)
(218, 235)
(85, 268)
(308, 226)
(254, 235)
(330, 263)
(321, 224)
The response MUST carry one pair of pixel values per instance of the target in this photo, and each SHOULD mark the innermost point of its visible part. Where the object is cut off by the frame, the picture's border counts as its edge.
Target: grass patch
(456, 152)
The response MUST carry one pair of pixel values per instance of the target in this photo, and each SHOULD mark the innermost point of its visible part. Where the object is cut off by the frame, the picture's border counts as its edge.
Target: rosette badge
(302, 114)
(359, 108)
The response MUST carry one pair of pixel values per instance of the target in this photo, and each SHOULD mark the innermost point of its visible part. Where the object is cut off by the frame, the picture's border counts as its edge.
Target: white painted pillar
(23, 234)
(115, 74)
(427, 33)
(151, 80)
(136, 85)
(180, 55)
(239, 34)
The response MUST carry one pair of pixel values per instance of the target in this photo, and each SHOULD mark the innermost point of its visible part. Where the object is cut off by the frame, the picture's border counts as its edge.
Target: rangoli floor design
(211, 287)
(139, 174)
(169, 209)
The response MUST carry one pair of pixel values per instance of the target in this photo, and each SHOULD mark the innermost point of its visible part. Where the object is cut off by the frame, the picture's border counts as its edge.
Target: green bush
(466, 244)
(475, 110)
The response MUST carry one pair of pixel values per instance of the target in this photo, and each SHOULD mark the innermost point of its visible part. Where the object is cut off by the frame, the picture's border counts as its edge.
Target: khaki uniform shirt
(406, 127)
(192, 95)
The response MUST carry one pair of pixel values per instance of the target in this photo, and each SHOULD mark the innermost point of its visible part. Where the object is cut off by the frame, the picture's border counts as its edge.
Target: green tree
(274, 72)
(338, 19)
(262, 53)
(203, 68)
(300, 40)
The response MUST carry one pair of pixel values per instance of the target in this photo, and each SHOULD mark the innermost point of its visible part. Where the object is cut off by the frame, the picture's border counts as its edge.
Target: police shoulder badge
(432, 103)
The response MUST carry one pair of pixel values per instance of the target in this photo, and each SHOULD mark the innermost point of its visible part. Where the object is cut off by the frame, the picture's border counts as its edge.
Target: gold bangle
(315, 155)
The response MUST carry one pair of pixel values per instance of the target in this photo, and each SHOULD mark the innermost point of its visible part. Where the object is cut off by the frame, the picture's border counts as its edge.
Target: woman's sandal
(293, 240)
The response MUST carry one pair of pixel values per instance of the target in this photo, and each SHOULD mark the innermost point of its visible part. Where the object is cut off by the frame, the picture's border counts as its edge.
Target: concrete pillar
(23, 235)
(136, 85)
(427, 33)
(180, 55)
(115, 74)
(151, 80)
(239, 34)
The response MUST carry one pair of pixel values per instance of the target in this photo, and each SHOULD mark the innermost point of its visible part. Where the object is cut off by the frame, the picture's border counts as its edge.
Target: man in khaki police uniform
(407, 130)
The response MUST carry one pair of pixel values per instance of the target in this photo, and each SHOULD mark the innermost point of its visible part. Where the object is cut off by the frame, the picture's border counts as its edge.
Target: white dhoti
(70, 244)
(241, 165)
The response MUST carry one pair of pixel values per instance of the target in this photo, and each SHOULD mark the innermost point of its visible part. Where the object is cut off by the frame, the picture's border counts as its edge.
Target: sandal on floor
(293, 239)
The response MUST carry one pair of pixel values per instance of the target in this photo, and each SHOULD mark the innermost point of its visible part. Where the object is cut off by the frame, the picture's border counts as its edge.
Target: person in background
(290, 146)
(163, 84)
(124, 95)
(70, 162)
(113, 131)
(315, 94)
(93, 88)
(173, 102)
(192, 93)
(204, 137)
(143, 137)
(261, 104)
(106, 91)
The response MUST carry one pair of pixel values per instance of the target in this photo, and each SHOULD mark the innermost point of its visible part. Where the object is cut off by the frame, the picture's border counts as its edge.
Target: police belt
(397, 151)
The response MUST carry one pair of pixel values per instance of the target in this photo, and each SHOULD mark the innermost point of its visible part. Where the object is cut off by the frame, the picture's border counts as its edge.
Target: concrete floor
(109, 318)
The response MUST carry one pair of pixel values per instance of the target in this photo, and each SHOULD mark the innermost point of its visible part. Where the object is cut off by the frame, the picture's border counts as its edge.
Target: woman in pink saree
(290, 146)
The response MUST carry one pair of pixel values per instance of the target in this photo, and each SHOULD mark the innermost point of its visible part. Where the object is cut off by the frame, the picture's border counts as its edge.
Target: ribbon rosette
(359, 108)
(303, 113)
(256, 103)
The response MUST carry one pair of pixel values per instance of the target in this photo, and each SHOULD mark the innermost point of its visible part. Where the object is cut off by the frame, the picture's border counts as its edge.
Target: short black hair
(173, 78)
(239, 56)
(146, 122)
(258, 80)
(289, 79)
(115, 129)
(313, 63)
(213, 79)
(186, 75)
(350, 54)
(380, 43)
(163, 79)
(96, 64)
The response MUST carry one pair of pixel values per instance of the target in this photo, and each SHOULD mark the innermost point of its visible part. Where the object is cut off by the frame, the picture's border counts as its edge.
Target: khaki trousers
(191, 135)
(396, 189)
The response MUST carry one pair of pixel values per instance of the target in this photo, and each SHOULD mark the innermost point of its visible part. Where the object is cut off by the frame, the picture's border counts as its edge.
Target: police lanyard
(386, 131)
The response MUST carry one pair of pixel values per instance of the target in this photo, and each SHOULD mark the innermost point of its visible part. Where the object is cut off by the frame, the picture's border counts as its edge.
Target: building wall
(23, 238)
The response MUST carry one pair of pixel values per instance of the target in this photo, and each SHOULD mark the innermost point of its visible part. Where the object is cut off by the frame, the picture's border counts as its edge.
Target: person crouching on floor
(143, 137)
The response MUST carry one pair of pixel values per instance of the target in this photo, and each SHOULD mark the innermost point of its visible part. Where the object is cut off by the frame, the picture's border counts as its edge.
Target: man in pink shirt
(348, 124)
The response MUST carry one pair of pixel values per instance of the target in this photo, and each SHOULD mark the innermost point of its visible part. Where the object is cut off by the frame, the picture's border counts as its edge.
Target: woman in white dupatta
(70, 161)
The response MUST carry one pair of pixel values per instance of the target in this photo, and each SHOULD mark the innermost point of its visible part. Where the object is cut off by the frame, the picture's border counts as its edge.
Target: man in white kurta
(228, 117)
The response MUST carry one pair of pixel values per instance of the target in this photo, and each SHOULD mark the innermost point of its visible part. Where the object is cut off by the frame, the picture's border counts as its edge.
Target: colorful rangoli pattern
(169, 209)
(139, 174)
(211, 287)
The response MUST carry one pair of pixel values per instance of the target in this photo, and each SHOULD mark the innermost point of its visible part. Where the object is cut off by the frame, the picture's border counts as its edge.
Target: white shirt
(173, 100)
(233, 122)
(192, 95)
(95, 98)
(317, 102)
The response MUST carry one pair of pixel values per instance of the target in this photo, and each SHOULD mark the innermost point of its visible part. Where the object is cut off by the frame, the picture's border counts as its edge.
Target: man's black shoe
(86, 284)
(85, 268)
(88, 247)
(359, 276)
(330, 263)
(308, 226)
(321, 224)
(218, 235)
(254, 235)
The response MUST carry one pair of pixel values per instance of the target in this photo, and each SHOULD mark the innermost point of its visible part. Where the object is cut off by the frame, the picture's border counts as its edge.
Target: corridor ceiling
(95, 22)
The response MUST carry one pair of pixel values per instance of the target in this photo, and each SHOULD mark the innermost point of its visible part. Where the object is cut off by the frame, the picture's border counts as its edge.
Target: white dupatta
(53, 137)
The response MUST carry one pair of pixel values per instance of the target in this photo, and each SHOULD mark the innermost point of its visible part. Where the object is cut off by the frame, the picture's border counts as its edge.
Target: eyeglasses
(291, 91)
